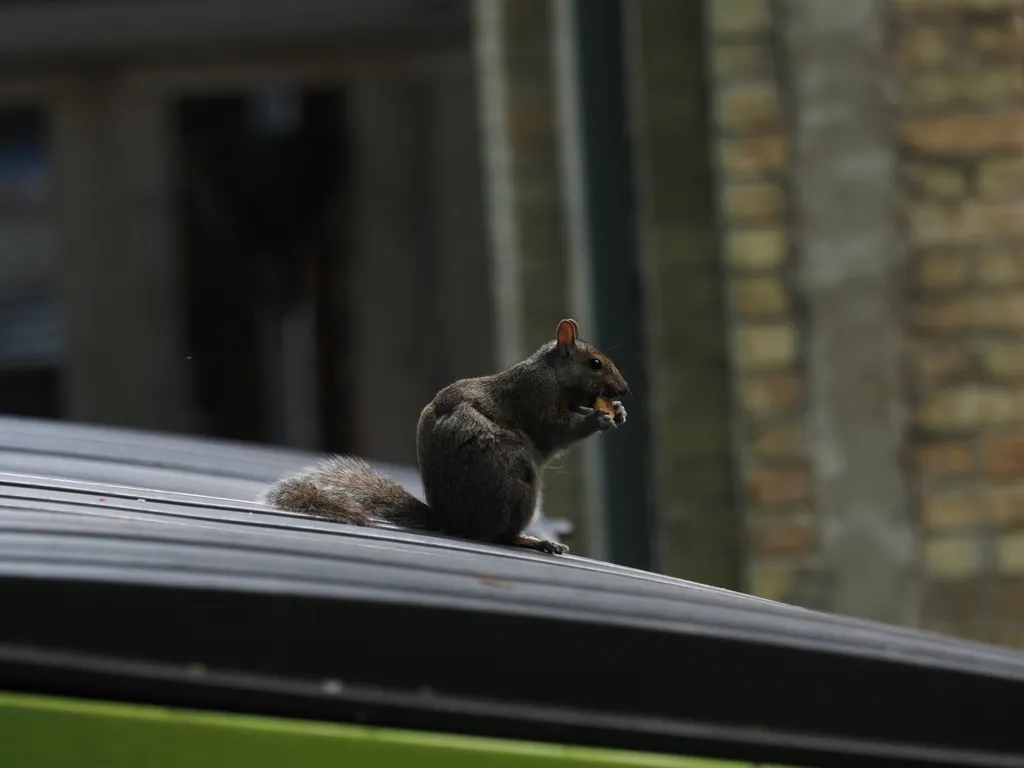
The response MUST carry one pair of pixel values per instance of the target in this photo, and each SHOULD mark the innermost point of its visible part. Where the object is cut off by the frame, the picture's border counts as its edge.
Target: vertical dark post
(609, 218)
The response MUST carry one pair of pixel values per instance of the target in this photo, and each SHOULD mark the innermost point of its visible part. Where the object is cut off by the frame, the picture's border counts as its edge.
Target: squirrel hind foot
(541, 545)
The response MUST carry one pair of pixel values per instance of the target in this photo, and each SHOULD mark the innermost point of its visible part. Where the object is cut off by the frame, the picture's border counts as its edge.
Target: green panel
(42, 732)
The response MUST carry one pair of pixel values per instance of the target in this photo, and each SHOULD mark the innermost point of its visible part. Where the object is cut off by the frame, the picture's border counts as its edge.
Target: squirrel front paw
(599, 417)
(620, 412)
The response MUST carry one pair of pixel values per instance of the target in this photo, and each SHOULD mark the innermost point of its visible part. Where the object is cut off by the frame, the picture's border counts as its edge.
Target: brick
(940, 271)
(771, 395)
(978, 311)
(778, 440)
(754, 202)
(1002, 362)
(985, 88)
(1010, 553)
(779, 487)
(739, 17)
(764, 347)
(952, 557)
(1000, 268)
(971, 222)
(1007, 632)
(754, 155)
(705, 482)
(734, 61)
(694, 296)
(528, 122)
(924, 46)
(1010, 597)
(754, 297)
(743, 108)
(757, 249)
(965, 134)
(977, 508)
(994, 85)
(934, 181)
(943, 460)
(1002, 178)
(695, 396)
(696, 339)
(685, 245)
(971, 406)
(988, 6)
(911, 6)
(955, 509)
(935, 363)
(952, 603)
(701, 439)
(998, 40)
(1003, 457)
(781, 533)
(1004, 503)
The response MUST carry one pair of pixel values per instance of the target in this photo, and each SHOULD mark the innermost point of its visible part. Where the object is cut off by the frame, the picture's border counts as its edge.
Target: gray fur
(482, 445)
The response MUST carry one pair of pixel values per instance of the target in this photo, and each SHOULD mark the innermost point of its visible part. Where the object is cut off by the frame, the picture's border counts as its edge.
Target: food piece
(606, 405)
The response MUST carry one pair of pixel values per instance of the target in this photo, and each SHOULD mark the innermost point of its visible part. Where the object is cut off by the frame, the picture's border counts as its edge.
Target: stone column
(851, 278)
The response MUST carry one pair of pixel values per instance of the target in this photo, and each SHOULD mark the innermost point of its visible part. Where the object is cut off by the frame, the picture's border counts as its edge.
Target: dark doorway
(265, 252)
(30, 332)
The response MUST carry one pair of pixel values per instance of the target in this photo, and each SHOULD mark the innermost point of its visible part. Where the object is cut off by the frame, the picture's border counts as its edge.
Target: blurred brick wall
(728, 308)
(752, 159)
(687, 340)
(959, 105)
(962, 156)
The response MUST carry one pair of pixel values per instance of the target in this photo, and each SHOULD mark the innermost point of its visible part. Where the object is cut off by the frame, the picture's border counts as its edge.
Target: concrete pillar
(852, 256)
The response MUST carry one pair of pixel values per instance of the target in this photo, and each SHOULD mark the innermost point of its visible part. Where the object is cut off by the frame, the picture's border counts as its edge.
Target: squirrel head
(583, 368)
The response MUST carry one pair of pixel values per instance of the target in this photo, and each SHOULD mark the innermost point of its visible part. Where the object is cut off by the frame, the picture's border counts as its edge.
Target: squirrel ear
(567, 333)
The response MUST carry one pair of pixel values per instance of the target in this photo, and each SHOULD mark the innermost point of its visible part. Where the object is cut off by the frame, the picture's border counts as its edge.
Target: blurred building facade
(826, 207)
(192, 191)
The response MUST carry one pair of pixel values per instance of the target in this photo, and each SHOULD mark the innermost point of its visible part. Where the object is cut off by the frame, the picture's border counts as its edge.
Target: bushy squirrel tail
(348, 490)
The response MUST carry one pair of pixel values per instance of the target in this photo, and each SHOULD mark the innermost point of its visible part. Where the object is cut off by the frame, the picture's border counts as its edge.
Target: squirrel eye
(595, 363)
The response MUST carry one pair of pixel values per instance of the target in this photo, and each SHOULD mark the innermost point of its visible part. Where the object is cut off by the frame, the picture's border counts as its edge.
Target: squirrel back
(481, 446)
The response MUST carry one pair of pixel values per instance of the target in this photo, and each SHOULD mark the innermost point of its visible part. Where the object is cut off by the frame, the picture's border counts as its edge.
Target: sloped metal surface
(110, 589)
(118, 532)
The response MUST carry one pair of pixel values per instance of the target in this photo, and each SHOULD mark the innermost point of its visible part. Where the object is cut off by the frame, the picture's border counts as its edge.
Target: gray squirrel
(481, 446)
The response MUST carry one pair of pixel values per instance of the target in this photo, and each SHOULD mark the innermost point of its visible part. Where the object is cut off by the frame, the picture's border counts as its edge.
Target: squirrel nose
(619, 386)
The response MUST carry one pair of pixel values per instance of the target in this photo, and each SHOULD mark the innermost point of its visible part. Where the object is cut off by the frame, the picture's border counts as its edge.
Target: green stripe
(52, 732)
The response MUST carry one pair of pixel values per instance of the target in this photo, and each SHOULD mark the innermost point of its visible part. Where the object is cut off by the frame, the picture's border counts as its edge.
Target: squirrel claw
(620, 412)
(604, 421)
(541, 545)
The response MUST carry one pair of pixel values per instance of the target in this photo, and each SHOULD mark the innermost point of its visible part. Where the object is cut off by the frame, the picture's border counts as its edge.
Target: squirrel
(481, 446)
